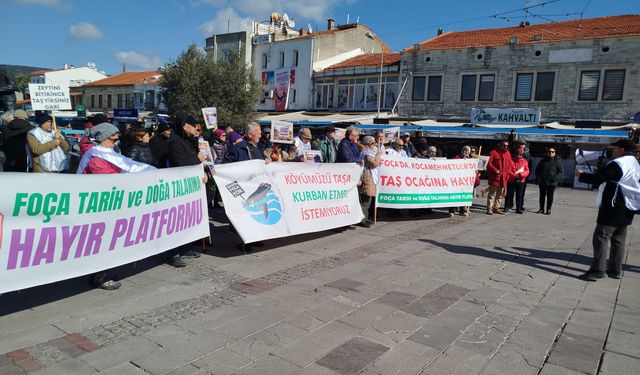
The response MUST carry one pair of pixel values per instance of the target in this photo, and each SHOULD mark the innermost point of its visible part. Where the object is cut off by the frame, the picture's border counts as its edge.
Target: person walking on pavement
(517, 180)
(549, 174)
(498, 169)
(47, 147)
(618, 200)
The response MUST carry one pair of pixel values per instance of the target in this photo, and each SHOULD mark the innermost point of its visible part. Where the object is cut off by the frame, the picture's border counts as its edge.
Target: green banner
(425, 198)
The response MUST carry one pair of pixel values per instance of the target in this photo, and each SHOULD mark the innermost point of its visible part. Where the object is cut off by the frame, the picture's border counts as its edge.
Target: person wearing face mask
(47, 147)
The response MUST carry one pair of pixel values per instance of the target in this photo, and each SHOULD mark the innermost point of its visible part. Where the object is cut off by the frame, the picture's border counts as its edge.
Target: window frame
(264, 61)
(600, 90)
(296, 57)
(427, 79)
(282, 59)
(534, 85)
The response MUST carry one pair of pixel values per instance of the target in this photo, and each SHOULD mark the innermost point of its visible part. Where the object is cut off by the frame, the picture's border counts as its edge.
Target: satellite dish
(275, 17)
(285, 19)
(309, 28)
(292, 23)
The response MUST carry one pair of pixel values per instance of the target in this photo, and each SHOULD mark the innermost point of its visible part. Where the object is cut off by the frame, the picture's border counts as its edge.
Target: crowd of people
(108, 149)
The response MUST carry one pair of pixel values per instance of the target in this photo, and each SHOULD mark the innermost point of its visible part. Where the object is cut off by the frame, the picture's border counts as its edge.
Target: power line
(585, 8)
(497, 15)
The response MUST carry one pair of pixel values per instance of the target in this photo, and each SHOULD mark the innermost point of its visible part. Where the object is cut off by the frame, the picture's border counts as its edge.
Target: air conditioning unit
(268, 94)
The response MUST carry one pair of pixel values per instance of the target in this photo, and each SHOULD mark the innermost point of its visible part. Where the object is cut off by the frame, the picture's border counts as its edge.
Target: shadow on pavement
(510, 256)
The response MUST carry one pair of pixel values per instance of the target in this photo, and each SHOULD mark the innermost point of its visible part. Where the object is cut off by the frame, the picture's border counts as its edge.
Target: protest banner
(49, 97)
(210, 115)
(281, 95)
(281, 132)
(89, 223)
(274, 200)
(391, 134)
(423, 183)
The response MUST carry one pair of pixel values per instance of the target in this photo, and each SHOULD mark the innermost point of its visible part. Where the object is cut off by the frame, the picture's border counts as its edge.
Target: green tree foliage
(194, 81)
(22, 82)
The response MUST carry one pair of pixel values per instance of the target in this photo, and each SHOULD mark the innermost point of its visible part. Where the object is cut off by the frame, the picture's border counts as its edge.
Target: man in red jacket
(498, 169)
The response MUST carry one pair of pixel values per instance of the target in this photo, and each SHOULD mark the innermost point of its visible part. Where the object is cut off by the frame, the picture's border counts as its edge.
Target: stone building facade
(583, 69)
(140, 90)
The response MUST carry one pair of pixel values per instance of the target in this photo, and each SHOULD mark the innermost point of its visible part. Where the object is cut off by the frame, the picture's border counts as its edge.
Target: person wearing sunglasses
(549, 174)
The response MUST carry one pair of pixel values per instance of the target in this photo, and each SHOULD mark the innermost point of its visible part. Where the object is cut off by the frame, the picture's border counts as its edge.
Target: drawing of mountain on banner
(264, 205)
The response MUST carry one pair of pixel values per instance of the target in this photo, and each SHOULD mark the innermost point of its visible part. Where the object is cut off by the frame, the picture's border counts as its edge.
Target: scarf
(125, 164)
(54, 160)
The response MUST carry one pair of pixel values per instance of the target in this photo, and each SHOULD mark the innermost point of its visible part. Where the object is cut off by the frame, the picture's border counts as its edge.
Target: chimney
(303, 31)
(440, 31)
(330, 23)
(65, 66)
(124, 68)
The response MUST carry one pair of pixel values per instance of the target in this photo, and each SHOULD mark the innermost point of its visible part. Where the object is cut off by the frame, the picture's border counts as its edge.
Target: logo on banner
(263, 205)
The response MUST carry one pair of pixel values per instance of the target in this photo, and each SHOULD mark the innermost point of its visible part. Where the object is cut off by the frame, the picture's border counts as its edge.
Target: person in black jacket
(348, 151)
(140, 151)
(549, 174)
(183, 151)
(14, 140)
(618, 201)
(159, 145)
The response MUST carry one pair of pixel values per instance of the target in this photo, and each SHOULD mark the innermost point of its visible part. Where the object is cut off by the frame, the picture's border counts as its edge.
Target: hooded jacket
(499, 167)
(14, 139)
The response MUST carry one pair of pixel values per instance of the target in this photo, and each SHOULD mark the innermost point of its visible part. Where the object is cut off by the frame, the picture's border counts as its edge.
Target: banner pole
(375, 208)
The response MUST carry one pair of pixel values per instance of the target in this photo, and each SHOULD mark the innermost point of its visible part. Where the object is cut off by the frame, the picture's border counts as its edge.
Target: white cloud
(84, 31)
(47, 3)
(138, 60)
(218, 24)
(300, 10)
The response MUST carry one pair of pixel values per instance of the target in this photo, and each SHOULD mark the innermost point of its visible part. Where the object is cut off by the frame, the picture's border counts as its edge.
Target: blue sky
(145, 34)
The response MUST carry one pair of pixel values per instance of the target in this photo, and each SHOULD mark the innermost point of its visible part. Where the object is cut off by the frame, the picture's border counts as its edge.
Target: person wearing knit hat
(47, 147)
(219, 145)
(103, 159)
(235, 137)
(20, 113)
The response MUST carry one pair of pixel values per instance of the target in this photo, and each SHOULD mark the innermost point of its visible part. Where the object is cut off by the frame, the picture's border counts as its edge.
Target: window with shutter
(524, 84)
(613, 84)
(435, 87)
(589, 83)
(485, 93)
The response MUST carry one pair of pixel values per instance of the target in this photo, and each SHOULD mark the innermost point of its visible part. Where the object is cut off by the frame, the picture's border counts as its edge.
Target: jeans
(494, 198)
(546, 192)
(602, 235)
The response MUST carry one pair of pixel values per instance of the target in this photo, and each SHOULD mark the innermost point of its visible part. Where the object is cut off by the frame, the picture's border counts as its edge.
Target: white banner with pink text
(274, 200)
(59, 226)
(425, 183)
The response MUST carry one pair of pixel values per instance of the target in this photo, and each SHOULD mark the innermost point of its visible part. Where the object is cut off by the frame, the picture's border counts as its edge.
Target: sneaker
(177, 262)
(548, 212)
(540, 211)
(592, 276)
(364, 223)
(190, 254)
(612, 275)
(489, 213)
(110, 285)
(519, 212)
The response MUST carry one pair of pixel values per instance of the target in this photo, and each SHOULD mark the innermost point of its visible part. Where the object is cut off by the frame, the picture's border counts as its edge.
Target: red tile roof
(128, 78)
(41, 72)
(367, 60)
(590, 28)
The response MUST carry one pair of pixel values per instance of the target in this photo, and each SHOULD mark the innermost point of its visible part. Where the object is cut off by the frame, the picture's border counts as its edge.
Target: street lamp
(370, 36)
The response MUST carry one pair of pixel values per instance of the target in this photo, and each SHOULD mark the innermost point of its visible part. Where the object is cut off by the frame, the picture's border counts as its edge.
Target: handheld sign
(49, 97)
(281, 132)
(210, 117)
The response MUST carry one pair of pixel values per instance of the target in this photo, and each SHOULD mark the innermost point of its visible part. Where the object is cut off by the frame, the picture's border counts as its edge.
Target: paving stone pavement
(426, 295)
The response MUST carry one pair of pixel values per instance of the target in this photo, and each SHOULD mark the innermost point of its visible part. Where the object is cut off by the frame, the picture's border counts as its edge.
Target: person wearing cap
(618, 200)
(265, 140)
(408, 146)
(14, 142)
(47, 147)
(103, 159)
(302, 142)
(159, 145)
(328, 145)
(549, 174)
(516, 182)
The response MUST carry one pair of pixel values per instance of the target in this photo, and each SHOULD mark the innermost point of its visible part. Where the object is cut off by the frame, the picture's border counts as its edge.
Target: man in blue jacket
(348, 148)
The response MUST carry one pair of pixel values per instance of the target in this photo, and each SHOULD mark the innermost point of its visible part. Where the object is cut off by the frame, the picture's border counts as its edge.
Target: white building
(305, 54)
(69, 76)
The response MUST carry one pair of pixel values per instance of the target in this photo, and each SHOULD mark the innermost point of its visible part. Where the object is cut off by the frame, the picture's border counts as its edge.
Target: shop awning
(321, 119)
